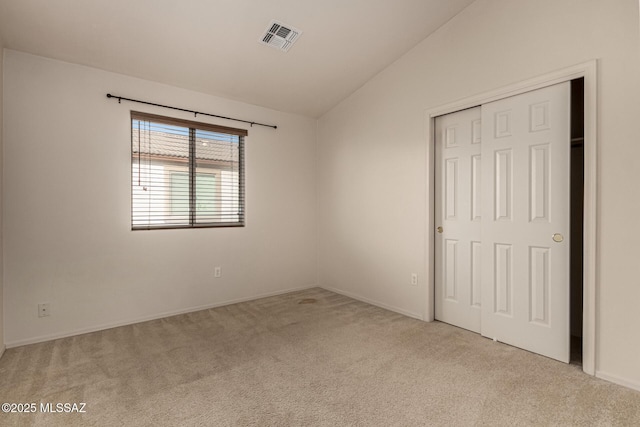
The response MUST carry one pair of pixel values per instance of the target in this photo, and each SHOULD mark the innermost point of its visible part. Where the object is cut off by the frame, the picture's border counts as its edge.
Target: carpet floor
(308, 358)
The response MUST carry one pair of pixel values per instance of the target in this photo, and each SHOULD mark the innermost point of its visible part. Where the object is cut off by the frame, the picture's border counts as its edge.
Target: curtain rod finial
(109, 95)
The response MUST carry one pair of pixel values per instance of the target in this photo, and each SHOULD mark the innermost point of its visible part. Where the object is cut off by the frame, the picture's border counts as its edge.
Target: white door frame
(588, 71)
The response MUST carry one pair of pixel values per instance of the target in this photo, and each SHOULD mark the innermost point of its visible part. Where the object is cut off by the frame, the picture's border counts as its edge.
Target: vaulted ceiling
(211, 46)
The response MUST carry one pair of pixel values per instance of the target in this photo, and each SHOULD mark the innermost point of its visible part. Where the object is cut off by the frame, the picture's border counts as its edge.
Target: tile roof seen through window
(173, 141)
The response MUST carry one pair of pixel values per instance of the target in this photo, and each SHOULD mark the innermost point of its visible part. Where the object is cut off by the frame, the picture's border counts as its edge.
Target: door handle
(439, 229)
(557, 237)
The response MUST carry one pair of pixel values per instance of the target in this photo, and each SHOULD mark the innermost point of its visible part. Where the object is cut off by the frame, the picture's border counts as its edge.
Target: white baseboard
(372, 302)
(58, 335)
(618, 380)
(2, 349)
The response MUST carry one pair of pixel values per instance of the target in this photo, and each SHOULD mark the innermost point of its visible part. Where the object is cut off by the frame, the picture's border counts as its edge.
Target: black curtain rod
(122, 98)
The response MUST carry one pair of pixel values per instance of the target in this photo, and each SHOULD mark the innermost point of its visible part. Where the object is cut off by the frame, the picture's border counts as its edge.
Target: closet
(508, 209)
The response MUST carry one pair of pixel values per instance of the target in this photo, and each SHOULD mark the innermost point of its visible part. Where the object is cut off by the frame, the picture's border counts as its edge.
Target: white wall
(372, 149)
(67, 206)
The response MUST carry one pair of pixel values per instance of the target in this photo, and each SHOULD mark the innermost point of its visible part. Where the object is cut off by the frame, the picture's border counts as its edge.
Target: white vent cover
(280, 36)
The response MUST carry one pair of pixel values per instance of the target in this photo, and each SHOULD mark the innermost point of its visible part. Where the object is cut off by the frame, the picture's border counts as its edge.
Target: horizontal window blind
(185, 174)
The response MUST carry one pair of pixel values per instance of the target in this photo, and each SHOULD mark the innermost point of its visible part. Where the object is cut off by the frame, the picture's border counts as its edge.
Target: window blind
(185, 174)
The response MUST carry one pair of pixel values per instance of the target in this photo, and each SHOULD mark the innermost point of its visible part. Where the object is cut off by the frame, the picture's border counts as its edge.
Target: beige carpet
(274, 361)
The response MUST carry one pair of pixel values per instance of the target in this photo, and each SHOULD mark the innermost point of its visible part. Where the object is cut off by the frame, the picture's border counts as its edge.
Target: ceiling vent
(280, 36)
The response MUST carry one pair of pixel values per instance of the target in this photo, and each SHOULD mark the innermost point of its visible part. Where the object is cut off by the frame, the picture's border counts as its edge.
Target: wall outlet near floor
(44, 309)
(217, 272)
(414, 279)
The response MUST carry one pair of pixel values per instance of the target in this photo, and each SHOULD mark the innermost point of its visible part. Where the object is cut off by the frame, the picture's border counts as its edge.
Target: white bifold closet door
(514, 194)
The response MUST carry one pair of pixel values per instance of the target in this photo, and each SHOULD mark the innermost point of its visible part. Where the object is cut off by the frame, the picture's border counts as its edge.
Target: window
(185, 174)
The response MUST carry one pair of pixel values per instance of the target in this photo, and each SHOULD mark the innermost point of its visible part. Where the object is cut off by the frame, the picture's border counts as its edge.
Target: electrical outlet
(44, 310)
(217, 272)
(414, 279)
